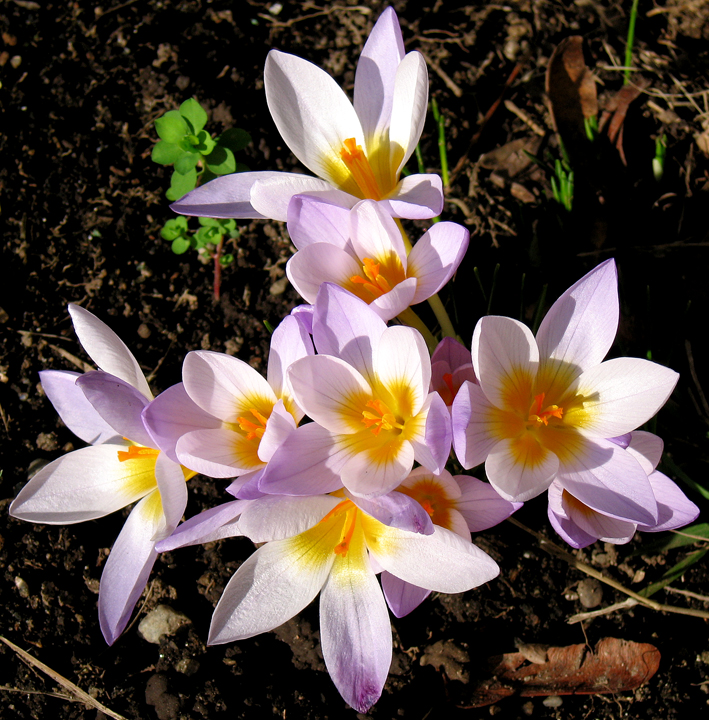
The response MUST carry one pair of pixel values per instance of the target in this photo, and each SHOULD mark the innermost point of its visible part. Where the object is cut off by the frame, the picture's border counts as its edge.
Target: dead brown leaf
(614, 666)
(616, 109)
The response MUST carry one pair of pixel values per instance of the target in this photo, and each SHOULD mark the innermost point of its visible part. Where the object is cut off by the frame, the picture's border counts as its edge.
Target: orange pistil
(374, 283)
(251, 429)
(541, 416)
(362, 173)
(134, 452)
(381, 419)
(347, 532)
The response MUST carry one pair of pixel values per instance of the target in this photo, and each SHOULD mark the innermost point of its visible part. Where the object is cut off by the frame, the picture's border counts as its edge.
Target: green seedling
(658, 162)
(590, 125)
(562, 185)
(627, 63)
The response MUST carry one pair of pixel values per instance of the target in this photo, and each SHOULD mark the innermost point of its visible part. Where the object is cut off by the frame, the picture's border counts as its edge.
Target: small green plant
(197, 157)
(562, 185)
(658, 162)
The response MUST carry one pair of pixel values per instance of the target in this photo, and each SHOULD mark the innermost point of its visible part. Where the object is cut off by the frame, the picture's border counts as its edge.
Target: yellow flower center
(252, 429)
(539, 416)
(350, 511)
(357, 163)
(373, 282)
(432, 498)
(379, 417)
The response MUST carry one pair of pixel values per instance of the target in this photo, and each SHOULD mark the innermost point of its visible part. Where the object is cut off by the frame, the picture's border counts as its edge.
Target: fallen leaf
(616, 109)
(613, 666)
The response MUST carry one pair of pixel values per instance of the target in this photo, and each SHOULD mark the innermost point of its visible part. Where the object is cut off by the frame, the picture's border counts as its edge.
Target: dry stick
(75, 690)
(461, 163)
(554, 549)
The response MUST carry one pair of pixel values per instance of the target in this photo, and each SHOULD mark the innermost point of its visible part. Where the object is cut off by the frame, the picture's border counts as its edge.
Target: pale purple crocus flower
(368, 392)
(244, 416)
(357, 151)
(580, 524)
(363, 251)
(545, 406)
(328, 545)
(451, 366)
(120, 467)
(459, 503)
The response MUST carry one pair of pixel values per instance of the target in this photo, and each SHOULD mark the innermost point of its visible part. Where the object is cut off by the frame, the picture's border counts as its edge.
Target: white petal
(279, 426)
(173, 491)
(315, 264)
(219, 453)
(417, 197)
(289, 343)
(646, 448)
(374, 234)
(473, 436)
(371, 473)
(519, 475)
(393, 303)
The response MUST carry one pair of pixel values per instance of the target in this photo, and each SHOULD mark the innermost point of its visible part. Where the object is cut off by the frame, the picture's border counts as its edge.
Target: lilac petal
(319, 263)
(436, 256)
(107, 350)
(402, 597)
(376, 74)
(304, 315)
(473, 439)
(567, 529)
(245, 487)
(374, 234)
(307, 463)
(74, 409)
(279, 426)
(433, 450)
(622, 440)
(598, 525)
(83, 485)
(417, 197)
(369, 474)
(393, 303)
(646, 448)
(118, 403)
(289, 343)
(355, 631)
(128, 566)
(674, 508)
(450, 351)
(313, 220)
(608, 479)
(213, 524)
(173, 491)
(171, 415)
(347, 328)
(480, 505)
(219, 453)
(276, 517)
(580, 326)
(225, 197)
(396, 510)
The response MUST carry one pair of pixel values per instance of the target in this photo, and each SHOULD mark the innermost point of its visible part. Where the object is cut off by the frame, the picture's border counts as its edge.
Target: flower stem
(410, 318)
(441, 314)
(407, 242)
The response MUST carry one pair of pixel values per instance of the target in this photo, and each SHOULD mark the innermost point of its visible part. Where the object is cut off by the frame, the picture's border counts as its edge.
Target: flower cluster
(337, 458)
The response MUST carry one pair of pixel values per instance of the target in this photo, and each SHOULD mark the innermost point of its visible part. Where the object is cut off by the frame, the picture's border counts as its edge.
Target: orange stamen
(539, 416)
(374, 282)
(251, 429)
(381, 419)
(348, 531)
(136, 451)
(362, 173)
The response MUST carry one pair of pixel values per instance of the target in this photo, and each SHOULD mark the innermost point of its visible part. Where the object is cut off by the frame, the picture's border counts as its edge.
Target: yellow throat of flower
(357, 163)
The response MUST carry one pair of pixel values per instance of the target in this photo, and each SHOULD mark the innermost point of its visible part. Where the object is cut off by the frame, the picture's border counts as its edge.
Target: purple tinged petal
(416, 197)
(346, 327)
(472, 438)
(219, 453)
(622, 440)
(289, 343)
(107, 350)
(279, 426)
(646, 448)
(402, 597)
(376, 74)
(74, 409)
(597, 524)
(369, 474)
(173, 492)
(213, 524)
(567, 529)
(450, 351)
(436, 256)
(128, 566)
(608, 479)
(433, 450)
(118, 403)
(355, 631)
(517, 474)
(304, 315)
(313, 220)
(393, 303)
(307, 463)
(674, 508)
(374, 234)
(246, 486)
(319, 263)
(396, 510)
(480, 505)
(173, 414)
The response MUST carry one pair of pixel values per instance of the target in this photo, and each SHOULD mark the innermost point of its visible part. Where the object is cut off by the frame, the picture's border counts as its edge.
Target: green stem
(407, 242)
(410, 318)
(447, 329)
(629, 44)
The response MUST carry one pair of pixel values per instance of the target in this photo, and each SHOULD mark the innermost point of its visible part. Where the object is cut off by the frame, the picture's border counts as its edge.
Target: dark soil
(81, 209)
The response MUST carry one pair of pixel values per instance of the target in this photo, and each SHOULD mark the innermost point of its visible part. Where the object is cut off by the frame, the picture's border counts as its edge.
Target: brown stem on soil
(218, 270)
(554, 549)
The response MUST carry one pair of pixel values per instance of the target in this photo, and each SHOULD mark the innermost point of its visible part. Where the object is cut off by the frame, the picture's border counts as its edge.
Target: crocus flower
(544, 407)
(580, 524)
(459, 503)
(363, 251)
(451, 366)
(121, 467)
(250, 415)
(368, 393)
(357, 151)
(338, 557)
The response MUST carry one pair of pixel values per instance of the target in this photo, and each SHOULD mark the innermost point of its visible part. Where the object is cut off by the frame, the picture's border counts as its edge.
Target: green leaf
(669, 463)
(208, 222)
(171, 127)
(221, 161)
(240, 167)
(194, 113)
(173, 228)
(165, 153)
(674, 572)
(207, 236)
(669, 540)
(180, 245)
(181, 184)
(235, 139)
(186, 163)
(204, 144)
(227, 259)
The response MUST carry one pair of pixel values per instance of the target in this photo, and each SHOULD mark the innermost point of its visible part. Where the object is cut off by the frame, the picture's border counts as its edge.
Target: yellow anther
(541, 416)
(137, 451)
(252, 429)
(357, 163)
(373, 282)
(380, 419)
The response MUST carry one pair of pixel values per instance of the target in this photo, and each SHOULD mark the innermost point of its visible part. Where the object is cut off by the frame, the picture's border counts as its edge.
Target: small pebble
(553, 701)
(590, 593)
(163, 620)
